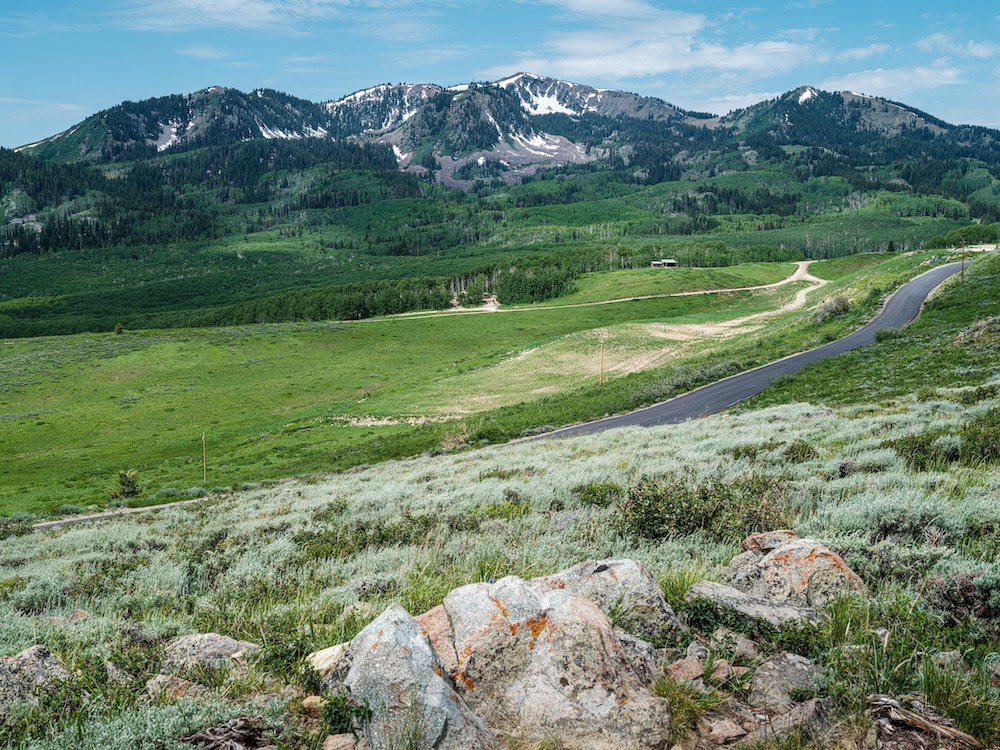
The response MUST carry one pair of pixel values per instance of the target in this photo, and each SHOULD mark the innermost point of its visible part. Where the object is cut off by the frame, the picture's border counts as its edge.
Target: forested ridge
(226, 226)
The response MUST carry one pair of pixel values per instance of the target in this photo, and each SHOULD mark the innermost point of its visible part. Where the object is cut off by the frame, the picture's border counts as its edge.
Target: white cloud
(203, 53)
(945, 43)
(862, 53)
(897, 83)
(635, 39)
(728, 102)
(180, 15)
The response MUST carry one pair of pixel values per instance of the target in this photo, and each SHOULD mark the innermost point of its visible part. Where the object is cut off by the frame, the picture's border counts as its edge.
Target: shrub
(601, 494)
(661, 507)
(11, 528)
(343, 714)
(751, 451)
(799, 450)
(981, 438)
(831, 308)
(126, 485)
(69, 509)
(687, 704)
(887, 334)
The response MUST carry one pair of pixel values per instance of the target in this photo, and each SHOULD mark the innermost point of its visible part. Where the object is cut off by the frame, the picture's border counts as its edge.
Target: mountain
(378, 109)
(541, 95)
(809, 112)
(212, 116)
(514, 127)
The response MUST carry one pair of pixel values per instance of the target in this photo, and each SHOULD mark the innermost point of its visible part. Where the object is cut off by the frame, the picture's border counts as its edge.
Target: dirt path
(492, 306)
(727, 328)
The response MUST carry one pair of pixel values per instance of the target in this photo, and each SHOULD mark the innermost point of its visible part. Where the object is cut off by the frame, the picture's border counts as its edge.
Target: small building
(664, 263)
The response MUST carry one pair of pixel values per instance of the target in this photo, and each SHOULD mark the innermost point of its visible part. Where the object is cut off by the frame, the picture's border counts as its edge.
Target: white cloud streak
(203, 53)
(635, 39)
(862, 53)
(184, 15)
(945, 43)
(897, 83)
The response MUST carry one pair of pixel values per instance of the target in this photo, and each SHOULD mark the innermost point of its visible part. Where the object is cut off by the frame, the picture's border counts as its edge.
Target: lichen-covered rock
(803, 572)
(206, 650)
(728, 599)
(23, 676)
(640, 654)
(437, 626)
(777, 679)
(395, 672)
(625, 588)
(168, 687)
(765, 541)
(536, 661)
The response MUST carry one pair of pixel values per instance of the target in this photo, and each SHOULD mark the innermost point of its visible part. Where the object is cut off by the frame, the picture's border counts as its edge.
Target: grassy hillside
(290, 399)
(299, 566)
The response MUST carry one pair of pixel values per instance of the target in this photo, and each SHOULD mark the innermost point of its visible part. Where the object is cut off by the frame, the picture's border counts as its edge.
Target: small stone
(340, 742)
(115, 675)
(697, 650)
(313, 706)
(684, 670)
(168, 687)
(207, 650)
(722, 672)
(740, 671)
(993, 670)
(328, 659)
(723, 730)
(737, 644)
(948, 660)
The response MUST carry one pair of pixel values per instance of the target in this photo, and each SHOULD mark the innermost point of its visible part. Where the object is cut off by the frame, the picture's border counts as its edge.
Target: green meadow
(284, 399)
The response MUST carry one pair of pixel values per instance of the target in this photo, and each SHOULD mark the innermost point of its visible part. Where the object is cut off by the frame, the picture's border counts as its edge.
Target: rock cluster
(573, 655)
(780, 579)
(516, 658)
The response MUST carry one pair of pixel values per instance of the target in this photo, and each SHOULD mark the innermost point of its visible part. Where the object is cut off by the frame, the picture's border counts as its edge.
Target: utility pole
(963, 264)
(204, 457)
(601, 376)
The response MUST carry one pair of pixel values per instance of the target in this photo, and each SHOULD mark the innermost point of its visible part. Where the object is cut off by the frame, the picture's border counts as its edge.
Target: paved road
(900, 309)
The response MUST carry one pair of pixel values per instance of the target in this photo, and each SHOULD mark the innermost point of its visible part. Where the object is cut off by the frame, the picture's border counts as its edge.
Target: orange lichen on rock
(461, 677)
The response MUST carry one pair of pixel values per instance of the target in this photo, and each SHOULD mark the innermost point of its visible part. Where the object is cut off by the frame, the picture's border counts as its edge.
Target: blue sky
(61, 60)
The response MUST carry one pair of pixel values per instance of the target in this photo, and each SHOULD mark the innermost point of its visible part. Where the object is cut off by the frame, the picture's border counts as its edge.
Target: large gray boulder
(206, 650)
(395, 672)
(728, 599)
(781, 567)
(24, 676)
(537, 661)
(624, 590)
(776, 682)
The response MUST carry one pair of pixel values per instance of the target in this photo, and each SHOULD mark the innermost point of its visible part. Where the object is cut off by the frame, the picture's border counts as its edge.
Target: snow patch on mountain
(806, 95)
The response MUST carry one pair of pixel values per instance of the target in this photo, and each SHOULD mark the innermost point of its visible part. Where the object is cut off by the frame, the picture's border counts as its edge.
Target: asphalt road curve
(901, 308)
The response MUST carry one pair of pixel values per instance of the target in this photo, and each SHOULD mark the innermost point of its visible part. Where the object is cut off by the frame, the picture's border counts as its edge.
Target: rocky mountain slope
(504, 129)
